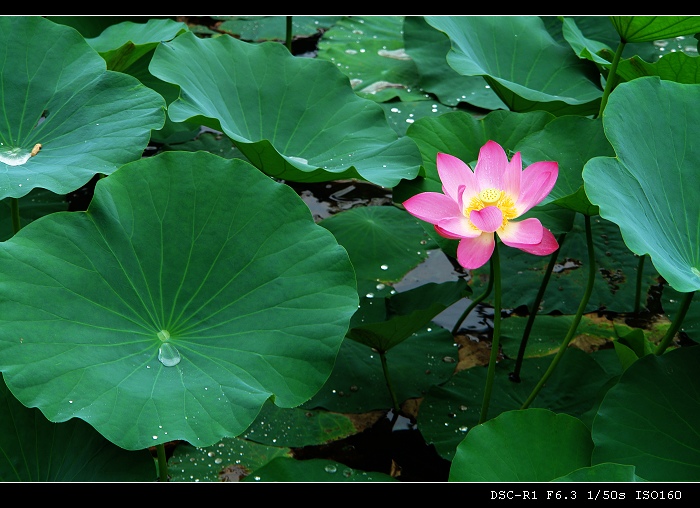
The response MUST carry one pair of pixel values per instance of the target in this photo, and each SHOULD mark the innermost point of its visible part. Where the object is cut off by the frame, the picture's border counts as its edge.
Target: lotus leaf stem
(288, 39)
(612, 79)
(675, 324)
(476, 301)
(162, 463)
(515, 375)
(577, 317)
(496, 271)
(385, 368)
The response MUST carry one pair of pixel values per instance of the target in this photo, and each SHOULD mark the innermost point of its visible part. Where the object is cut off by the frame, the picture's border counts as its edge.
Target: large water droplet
(168, 355)
(15, 156)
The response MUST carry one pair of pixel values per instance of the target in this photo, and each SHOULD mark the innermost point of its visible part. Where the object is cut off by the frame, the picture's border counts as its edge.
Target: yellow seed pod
(490, 196)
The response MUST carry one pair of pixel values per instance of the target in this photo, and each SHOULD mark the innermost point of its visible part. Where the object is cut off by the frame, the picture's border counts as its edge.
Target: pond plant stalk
(515, 375)
(476, 301)
(387, 378)
(495, 340)
(577, 318)
(162, 463)
(675, 324)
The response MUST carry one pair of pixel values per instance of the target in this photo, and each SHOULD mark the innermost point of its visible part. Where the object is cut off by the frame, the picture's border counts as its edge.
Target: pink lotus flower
(475, 205)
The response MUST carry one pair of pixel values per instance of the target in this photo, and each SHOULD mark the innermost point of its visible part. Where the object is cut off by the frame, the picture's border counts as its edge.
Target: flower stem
(612, 79)
(14, 210)
(474, 302)
(162, 463)
(676, 324)
(577, 317)
(496, 272)
(515, 375)
(385, 368)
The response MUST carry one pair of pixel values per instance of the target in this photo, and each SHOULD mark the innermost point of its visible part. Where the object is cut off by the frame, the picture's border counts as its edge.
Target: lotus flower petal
(488, 219)
(473, 253)
(490, 166)
(432, 207)
(459, 227)
(512, 176)
(537, 179)
(525, 232)
(546, 246)
(453, 174)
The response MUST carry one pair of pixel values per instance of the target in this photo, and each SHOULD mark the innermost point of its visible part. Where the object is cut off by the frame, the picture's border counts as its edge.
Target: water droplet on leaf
(168, 355)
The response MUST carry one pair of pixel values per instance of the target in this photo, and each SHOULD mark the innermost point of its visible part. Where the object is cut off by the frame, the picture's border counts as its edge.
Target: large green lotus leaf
(57, 93)
(401, 115)
(527, 68)
(285, 469)
(520, 445)
(294, 118)
(651, 190)
(460, 134)
(428, 48)
(358, 385)
(370, 51)
(384, 243)
(193, 289)
(33, 449)
(648, 419)
(571, 141)
(452, 409)
(123, 44)
(653, 28)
